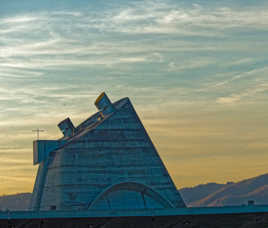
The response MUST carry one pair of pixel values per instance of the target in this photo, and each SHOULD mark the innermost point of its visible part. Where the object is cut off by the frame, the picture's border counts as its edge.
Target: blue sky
(196, 72)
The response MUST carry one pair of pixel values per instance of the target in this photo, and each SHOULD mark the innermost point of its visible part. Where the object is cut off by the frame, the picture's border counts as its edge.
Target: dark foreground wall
(258, 220)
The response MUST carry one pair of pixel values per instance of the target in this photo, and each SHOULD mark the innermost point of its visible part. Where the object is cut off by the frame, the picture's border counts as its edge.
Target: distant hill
(228, 194)
(211, 194)
(199, 192)
(15, 202)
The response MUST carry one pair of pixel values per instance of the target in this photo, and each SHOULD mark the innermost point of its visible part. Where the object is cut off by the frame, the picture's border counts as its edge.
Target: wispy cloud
(249, 93)
(18, 19)
(161, 17)
(192, 64)
(169, 57)
(60, 45)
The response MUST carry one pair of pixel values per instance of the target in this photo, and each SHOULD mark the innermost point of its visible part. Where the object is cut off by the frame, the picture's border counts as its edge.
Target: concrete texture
(107, 162)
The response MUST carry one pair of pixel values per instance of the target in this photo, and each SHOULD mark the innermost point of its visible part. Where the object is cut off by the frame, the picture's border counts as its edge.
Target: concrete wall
(108, 153)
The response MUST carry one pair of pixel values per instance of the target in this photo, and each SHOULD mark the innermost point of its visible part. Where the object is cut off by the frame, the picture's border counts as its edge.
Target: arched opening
(129, 195)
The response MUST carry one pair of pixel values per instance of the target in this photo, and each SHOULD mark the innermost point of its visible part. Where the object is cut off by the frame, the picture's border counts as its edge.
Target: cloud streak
(171, 58)
(249, 93)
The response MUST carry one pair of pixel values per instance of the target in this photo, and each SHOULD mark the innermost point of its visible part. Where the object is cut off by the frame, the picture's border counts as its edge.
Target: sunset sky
(196, 72)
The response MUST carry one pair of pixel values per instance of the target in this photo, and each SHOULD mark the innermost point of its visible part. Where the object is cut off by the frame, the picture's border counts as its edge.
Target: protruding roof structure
(107, 162)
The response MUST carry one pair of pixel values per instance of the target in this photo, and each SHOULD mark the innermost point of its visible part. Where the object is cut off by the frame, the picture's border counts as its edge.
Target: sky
(195, 70)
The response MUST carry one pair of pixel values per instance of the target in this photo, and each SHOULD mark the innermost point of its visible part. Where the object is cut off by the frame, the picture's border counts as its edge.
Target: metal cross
(38, 131)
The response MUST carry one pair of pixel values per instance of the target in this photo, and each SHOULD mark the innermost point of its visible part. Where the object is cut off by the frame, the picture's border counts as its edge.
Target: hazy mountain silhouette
(199, 192)
(18, 201)
(211, 194)
(228, 194)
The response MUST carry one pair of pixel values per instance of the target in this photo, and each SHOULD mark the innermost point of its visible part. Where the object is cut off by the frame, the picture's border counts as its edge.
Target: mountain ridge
(233, 194)
(202, 195)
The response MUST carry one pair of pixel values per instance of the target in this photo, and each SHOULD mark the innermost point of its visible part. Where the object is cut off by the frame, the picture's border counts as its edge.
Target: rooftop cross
(38, 130)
